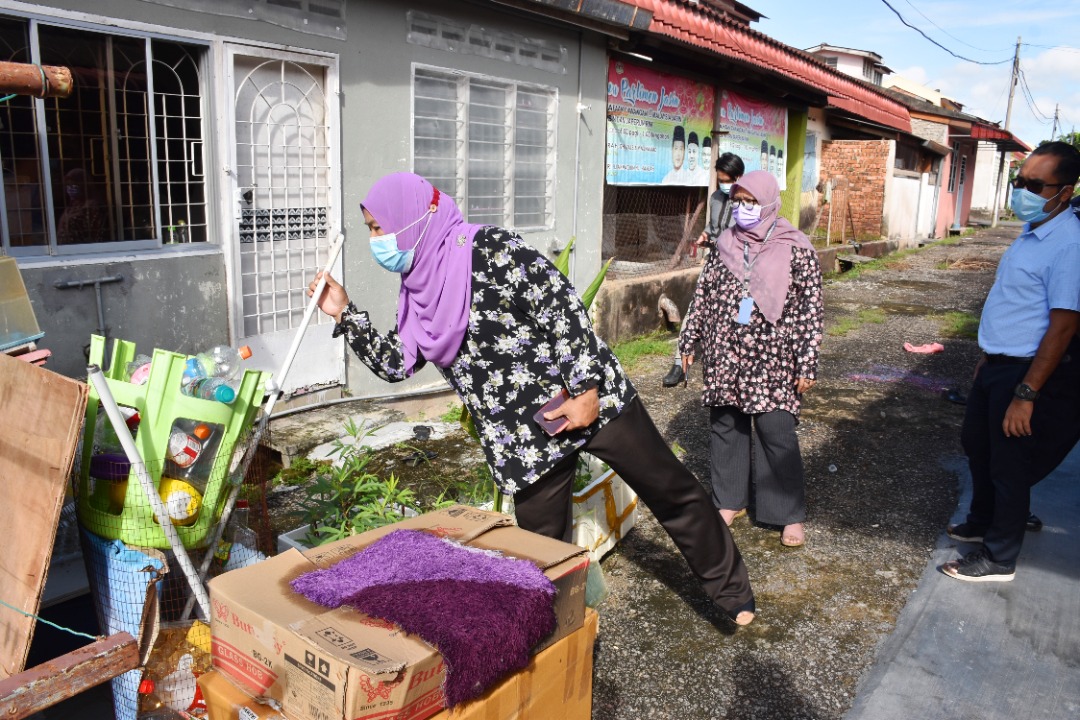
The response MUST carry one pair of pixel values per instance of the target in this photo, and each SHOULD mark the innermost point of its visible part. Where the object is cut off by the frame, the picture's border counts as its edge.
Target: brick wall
(861, 167)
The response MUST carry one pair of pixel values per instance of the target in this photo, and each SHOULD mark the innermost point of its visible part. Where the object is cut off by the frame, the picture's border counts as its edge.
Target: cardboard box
(225, 701)
(338, 664)
(556, 683)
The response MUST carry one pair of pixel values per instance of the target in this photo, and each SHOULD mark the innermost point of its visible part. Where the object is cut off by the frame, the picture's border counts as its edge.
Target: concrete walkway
(990, 651)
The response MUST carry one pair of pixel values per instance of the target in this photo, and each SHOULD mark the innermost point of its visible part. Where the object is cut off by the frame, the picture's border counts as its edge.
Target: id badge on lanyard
(746, 304)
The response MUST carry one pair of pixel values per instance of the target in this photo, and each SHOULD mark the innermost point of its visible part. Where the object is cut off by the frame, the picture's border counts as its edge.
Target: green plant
(848, 323)
(634, 350)
(453, 412)
(959, 325)
(346, 498)
(583, 474)
(299, 472)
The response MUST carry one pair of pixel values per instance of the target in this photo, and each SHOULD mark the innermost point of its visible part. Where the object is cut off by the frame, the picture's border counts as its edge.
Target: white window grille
(488, 143)
(831, 61)
(117, 165)
(953, 166)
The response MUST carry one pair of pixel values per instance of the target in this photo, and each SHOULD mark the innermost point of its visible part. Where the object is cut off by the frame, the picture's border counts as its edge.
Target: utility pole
(1053, 130)
(1008, 117)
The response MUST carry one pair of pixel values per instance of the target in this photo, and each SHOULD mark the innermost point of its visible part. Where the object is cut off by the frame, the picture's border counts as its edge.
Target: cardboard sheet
(41, 415)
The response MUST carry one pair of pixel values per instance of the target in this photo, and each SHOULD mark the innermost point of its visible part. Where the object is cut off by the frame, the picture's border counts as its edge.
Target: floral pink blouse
(754, 367)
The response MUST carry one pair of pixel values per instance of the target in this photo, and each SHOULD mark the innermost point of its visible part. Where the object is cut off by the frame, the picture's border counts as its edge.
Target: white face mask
(726, 188)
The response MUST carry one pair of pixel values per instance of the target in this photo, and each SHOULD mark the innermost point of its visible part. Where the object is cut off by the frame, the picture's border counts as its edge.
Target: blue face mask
(1028, 206)
(385, 249)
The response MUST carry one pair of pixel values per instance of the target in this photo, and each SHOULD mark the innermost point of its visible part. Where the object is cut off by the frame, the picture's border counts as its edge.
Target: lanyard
(749, 266)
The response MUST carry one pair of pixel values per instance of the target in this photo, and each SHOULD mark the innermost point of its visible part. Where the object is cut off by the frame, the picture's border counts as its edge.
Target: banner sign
(659, 128)
(755, 131)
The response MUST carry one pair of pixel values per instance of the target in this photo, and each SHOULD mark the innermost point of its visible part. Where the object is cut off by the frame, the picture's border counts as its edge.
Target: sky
(982, 30)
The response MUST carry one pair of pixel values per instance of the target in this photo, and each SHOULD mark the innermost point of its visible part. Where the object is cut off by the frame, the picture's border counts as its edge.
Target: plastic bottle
(138, 370)
(211, 388)
(184, 449)
(244, 548)
(182, 501)
(220, 361)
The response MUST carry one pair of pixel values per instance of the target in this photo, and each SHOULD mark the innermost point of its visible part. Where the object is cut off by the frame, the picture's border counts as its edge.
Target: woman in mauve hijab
(508, 332)
(756, 320)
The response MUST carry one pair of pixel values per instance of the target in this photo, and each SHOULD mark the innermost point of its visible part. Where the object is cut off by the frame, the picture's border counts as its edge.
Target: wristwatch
(1026, 392)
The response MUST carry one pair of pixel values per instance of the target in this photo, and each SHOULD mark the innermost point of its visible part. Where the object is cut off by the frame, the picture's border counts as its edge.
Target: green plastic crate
(160, 403)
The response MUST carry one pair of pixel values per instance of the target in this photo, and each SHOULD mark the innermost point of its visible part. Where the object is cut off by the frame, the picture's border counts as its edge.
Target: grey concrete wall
(175, 303)
(375, 76)
(624, 309)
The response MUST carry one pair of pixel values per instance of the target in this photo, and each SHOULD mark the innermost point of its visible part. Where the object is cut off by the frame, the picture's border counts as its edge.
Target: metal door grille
(283, 175)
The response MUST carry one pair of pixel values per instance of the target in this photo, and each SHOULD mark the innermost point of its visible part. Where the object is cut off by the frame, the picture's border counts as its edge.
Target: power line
(1038, 114)
(962, 42)
(935, 42)
(1066, 48)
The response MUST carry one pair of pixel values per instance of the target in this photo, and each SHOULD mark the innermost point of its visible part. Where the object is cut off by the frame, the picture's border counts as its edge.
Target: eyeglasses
(743, 203)
(1035, 186)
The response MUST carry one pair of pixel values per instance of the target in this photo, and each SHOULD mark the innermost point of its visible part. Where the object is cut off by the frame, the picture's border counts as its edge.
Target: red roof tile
(714, 31)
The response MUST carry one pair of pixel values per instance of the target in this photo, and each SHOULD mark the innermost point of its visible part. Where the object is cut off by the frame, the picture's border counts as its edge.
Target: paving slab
(990, 651)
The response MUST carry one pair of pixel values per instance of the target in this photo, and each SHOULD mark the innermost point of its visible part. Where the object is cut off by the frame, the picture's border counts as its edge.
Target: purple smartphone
(552, 427)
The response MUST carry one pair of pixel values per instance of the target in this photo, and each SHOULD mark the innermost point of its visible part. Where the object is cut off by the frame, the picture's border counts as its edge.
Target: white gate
(286, 206)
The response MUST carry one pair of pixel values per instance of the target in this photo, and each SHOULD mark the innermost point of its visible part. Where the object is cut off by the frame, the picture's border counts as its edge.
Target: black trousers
(634, 449)
(765, 449)
(1003, 469)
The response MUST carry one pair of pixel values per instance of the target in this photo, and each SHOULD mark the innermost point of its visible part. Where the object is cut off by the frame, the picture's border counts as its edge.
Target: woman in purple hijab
(508, 332)
(755, 325)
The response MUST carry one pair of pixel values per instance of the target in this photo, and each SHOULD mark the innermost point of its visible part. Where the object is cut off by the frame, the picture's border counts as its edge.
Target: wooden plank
(43, 415)
(58, 679)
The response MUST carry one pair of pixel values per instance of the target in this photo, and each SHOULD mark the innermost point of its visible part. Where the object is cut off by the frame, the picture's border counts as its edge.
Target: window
(116, 165)
(868, 68)
(953, 162)
(488, 143)
(831, 61)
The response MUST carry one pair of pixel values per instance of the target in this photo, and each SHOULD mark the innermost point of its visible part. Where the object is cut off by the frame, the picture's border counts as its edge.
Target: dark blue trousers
(1004, 469)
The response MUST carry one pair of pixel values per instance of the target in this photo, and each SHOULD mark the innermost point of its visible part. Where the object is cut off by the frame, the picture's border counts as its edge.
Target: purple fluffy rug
(482, 611)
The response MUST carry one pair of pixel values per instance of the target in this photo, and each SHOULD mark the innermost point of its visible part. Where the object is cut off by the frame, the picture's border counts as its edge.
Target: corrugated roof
(717, 32)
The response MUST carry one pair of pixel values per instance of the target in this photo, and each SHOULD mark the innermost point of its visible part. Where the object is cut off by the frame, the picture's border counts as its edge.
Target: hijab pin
(461, 240)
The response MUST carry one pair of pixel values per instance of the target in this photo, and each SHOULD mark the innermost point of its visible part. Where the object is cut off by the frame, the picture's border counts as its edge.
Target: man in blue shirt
(1023, 412)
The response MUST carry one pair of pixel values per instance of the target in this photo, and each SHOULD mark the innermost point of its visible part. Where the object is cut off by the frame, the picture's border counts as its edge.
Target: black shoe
(675, 376)
(978, 566)
(965, 532)
(1034, 524)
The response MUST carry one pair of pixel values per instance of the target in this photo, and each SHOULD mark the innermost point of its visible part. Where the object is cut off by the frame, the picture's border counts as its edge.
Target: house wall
(911, 204)
(375, 66)
(850, 65)
(987, 164)
(862, 166)
(810, 198)
(955, 206)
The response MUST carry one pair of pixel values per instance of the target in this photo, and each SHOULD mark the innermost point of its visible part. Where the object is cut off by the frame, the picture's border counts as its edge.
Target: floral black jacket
(753, 367)
(528, 337)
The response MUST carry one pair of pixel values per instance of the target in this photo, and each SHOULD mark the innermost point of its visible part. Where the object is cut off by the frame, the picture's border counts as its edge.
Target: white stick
(273, 389)
(95, 376)
(276, 382)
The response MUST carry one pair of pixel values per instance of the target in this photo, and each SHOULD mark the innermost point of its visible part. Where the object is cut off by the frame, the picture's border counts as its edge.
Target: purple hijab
(436, 292)
(770, 253)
